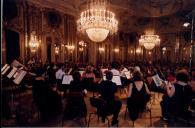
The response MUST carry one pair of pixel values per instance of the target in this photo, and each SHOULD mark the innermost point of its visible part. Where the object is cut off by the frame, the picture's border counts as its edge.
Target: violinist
(176, 101)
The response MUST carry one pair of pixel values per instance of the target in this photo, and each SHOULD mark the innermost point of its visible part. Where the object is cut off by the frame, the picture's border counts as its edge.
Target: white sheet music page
(13, 71)
(4, 67)
(157, 80)
(117, 80)
(19, 77)
(7, 68)
(67, 79)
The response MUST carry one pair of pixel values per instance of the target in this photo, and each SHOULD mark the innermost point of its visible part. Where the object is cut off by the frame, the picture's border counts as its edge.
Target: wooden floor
(30, 118)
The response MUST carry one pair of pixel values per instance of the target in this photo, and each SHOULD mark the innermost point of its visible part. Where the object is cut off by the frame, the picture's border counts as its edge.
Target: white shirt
(115, 72)
(60, 74)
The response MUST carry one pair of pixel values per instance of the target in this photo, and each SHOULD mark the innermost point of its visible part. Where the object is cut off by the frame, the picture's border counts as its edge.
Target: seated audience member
(177, 98)
(138, 96)
(108, 89)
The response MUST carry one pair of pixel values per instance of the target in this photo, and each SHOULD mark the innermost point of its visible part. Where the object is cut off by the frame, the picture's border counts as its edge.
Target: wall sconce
(149, 53)
(82, 43)
(131, 51)
(138, 50)
(164, 50)
(81, 49)
(33, 43)
(57, 50)
(101, 49)
(70, 47)
(116, 50)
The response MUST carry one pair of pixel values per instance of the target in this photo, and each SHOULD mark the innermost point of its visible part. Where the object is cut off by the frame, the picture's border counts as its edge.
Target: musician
(114, 69)
(123, 70)
(51, 73)
(76, 85)
(88, 73)
(138, 95)
(59, 75)
(17, 63)
(177, 99)
(108, 90)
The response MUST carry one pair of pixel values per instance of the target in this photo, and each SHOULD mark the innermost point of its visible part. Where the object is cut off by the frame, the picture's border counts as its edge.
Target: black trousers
(112, 108)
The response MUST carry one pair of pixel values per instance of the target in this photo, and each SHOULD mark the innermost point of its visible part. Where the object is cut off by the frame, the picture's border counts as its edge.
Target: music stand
(17, 78)
(158, 84)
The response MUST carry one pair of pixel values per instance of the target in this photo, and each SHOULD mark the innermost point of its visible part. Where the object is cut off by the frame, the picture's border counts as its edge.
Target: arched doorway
(12, 45)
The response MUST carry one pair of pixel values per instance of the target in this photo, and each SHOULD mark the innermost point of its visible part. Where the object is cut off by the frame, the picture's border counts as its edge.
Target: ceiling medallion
(97, 21)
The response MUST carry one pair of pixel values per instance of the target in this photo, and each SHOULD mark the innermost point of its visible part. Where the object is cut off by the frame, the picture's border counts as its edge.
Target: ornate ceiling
(134, 15)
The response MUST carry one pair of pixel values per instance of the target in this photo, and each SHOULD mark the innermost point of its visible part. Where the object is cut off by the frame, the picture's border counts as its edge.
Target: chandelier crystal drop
(97, 21)
(149, 40)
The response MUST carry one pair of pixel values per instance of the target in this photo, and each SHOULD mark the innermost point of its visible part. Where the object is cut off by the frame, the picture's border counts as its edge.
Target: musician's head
(109, 75)
(182, 75)
(137, 76)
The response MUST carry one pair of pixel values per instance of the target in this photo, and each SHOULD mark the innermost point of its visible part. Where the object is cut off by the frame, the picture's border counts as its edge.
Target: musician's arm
(170, 90)
(130, 90)
(147, 90)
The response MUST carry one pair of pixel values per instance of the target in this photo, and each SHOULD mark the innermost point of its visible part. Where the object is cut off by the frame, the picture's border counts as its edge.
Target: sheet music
(19, 77)
(15, 75)
(13, 71)
(67, 79)
(7, 68)
(157, 80)
(4, 67)
(115, 79)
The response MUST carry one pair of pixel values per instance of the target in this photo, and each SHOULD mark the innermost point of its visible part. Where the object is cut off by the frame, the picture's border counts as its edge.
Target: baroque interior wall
(60, 29)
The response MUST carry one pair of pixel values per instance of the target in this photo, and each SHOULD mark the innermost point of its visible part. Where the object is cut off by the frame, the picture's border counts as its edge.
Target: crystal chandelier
(97, 21)
(33, 43)
(149, 40)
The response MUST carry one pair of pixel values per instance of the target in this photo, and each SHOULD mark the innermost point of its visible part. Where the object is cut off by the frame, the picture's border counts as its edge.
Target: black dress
(181, 100)
(137, 102)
